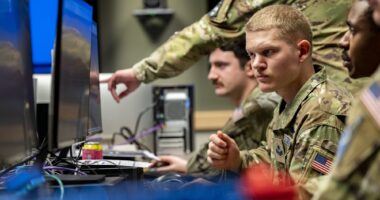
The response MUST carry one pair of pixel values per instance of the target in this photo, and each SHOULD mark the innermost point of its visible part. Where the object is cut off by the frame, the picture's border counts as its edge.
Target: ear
(304, 47)
(249, 69)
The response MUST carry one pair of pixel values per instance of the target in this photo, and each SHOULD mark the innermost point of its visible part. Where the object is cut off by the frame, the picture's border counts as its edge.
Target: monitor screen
(68, 112)
(95, 114)
(17, 116)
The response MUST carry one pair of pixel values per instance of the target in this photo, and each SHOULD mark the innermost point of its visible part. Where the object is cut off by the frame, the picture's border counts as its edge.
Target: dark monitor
(69, 104)
(17, 115)
(95, 113)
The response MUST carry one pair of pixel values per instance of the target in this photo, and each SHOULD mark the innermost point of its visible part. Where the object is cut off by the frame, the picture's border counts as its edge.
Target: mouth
(262, 78)
(346, 61)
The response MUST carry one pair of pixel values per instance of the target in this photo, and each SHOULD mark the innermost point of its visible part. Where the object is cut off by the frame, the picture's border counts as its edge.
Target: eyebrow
(219, 62)
(263, 44)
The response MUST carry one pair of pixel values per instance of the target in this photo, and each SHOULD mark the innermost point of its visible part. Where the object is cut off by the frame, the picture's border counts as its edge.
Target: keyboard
(129, 155)
(120, 163)
(131, 170)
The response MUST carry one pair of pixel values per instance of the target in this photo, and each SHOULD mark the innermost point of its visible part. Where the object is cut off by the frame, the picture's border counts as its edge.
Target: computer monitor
(95, 112)
(17, 115)
(69, 104)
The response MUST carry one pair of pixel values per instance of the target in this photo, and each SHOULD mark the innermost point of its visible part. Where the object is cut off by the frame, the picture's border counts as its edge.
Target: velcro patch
(321, 163)
(371, 100)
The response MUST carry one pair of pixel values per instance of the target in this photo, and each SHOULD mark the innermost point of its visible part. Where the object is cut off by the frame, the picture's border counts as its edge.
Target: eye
(251, 55)
(352, 30)
(221, 65)
(268, 52)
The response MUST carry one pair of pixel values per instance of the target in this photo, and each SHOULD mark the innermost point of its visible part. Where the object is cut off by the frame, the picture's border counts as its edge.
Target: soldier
(226, 23)
(309, 120)
(362, 35)
(356, 170)
(232, 76)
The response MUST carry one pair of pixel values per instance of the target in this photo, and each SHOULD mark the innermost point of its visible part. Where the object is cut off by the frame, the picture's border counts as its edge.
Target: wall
(124, 42)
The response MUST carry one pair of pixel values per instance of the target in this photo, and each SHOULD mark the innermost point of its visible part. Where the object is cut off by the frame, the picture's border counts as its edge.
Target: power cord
(61, 187)
(141, 114)
(127, 133)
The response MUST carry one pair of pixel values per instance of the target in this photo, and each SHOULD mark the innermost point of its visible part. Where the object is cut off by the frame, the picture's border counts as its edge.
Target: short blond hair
(291, 23)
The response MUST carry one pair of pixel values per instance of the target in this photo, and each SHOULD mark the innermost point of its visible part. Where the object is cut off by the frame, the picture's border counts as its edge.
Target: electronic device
(128, 155)
(75, 179)
(17, 111)
(69, 104)
(131, 170)
(95, 112)
(174, 107)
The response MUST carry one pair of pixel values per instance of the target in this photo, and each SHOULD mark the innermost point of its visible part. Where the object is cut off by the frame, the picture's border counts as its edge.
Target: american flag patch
(321, 164)
(371, 99)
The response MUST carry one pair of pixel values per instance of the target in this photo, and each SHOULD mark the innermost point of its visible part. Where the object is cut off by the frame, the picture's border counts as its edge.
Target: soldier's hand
(223, 152)
(169, 163)
(126, 77)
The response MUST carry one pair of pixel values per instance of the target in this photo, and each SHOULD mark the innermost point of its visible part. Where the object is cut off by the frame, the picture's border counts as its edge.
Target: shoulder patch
(371, 100)
(346, 138)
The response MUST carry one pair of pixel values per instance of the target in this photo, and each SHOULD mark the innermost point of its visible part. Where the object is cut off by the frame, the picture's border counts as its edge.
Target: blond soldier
(233, 78)
(247, 128)
(308, 122)
(356, 172)
(226, 23)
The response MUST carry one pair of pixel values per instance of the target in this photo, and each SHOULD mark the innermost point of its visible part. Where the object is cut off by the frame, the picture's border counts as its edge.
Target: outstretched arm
(170, 164)
(126, 77)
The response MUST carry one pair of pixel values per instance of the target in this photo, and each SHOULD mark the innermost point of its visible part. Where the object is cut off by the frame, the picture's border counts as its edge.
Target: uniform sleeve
(314, 152)
(258, 112)
(197, 164)
(321, 140)
(254, 156)
(187, 46)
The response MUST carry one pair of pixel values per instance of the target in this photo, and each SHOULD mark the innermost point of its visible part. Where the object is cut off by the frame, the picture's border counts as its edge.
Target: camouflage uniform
(226, 22)
(248, 130)
(356, 173)
(304, 131)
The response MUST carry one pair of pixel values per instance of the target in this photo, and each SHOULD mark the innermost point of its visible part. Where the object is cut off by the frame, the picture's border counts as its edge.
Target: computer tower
(174, 108)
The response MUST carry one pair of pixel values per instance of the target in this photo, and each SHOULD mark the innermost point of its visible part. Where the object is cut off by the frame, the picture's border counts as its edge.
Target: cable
(64, 168)
(80, 151)
(146, 132)
(140, 116)
(127, 134)
(73, 164)
(130, 138)
(143, 134)
(60, 184)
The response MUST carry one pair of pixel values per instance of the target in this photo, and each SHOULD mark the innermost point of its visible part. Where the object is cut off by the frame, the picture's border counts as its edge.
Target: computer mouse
(169, 181)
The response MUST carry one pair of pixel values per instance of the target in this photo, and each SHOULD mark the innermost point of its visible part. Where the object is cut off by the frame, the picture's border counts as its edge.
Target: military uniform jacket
(248, 130)
(356, 172)
(226, 23)
(303, 135)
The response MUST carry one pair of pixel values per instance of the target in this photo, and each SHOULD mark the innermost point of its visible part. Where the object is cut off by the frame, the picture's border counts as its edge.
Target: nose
(212, 75)
(258, 63)
(344, 42)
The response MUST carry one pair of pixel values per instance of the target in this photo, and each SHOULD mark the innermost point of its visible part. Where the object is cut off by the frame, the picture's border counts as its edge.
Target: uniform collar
(290, 110)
